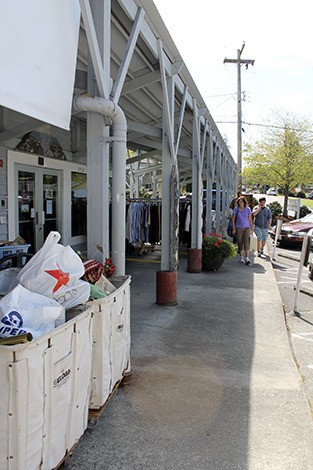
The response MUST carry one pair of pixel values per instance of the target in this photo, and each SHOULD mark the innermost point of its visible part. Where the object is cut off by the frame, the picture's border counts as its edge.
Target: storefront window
(79, 204)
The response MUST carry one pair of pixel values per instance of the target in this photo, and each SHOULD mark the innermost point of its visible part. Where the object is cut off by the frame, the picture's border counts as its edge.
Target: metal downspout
(112, 110)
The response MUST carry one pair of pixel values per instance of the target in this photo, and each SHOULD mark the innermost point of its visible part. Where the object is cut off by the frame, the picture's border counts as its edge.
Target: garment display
(185, 222)
(143, 222)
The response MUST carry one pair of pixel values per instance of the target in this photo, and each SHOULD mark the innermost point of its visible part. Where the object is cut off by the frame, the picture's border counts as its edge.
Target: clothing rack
(142, 199)
(143, 221)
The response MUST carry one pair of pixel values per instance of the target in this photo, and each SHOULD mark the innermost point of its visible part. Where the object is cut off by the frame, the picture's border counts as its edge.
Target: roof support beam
(121, 74)
(209, 183)
(141, 82)
(94, 48)
(130, 7)
(144, 129)
(218, 187)
(143, 171)
(167, 110)
(180, 119)
(156, 154)
(197, 190)
(204, 140)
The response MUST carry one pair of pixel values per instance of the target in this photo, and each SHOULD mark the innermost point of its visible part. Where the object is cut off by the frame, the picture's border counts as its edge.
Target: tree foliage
(283, 158)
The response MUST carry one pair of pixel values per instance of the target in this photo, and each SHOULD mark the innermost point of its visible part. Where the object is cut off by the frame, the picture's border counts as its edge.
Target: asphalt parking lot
(298, 311)
(286, 266)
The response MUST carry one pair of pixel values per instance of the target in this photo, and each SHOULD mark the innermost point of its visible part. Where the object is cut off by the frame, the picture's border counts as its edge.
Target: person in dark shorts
(262, 221)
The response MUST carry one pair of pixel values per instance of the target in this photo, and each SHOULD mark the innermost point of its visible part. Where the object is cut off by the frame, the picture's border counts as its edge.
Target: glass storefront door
(38, 204)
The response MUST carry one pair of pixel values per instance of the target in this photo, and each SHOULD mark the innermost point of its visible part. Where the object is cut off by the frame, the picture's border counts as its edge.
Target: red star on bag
(62, 278)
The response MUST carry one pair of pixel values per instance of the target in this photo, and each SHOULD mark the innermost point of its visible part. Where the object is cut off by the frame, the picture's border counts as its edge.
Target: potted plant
(215, 250)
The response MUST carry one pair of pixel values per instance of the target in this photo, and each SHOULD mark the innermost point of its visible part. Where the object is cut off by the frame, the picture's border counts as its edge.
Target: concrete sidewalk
(214, 384)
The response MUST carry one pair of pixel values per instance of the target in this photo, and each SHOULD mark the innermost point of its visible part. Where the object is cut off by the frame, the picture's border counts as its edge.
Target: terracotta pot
(213, 264)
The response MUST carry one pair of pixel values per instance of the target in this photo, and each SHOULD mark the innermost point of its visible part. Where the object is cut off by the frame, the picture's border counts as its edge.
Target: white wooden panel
(38, 48)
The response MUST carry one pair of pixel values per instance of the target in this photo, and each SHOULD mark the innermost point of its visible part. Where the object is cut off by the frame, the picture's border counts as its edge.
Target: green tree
(283, 158)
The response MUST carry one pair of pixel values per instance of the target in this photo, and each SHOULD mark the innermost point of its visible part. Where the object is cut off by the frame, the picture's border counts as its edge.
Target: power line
(217, 96)
(272, 126)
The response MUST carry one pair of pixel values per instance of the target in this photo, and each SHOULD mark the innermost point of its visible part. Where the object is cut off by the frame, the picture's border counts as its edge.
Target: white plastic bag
(73, 295)
(22, 311)
(54, 271)
(253, 242)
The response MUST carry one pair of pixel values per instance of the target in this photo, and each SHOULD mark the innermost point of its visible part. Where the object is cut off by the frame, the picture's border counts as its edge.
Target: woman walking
(242, 227)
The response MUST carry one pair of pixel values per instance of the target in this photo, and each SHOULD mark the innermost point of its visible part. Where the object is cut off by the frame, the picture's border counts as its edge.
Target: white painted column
(209, 181)
(197, 187)
(167, 171)
(97, 142)
(218, 189)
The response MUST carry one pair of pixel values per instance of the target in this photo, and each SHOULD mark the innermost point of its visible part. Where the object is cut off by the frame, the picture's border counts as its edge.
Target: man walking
(262, 220)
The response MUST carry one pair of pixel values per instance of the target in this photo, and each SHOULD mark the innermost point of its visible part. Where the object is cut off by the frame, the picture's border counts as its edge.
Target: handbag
(230, 228)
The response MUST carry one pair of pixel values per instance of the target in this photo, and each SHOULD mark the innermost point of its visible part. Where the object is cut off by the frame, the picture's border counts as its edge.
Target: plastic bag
(54, 271)
(22, 311)
(253, 242)
(76, 294)
(96, 293)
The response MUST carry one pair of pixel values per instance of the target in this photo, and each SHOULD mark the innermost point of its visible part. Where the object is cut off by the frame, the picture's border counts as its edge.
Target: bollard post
(277, 235)
(304, 258)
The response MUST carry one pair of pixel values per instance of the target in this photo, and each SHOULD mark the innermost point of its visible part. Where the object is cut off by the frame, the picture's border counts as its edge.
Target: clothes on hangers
(143, 222)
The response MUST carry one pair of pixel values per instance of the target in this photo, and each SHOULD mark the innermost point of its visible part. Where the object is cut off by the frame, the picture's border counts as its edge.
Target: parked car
(271, 192)
(310, 195)
(295, 230)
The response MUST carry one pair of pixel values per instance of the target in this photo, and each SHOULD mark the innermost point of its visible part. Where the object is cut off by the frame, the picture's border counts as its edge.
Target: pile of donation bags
(43, 289)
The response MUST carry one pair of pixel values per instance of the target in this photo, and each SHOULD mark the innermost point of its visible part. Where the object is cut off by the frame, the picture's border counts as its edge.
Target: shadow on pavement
(213, 383)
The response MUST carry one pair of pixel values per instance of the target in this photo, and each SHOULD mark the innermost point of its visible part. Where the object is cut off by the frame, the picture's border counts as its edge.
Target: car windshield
(308, 218)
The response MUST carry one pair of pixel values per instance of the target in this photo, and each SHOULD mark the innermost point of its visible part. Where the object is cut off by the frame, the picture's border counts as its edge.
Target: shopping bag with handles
(22, 311)
(54, 271)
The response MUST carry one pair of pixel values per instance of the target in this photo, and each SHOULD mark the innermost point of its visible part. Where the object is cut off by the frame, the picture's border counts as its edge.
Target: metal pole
(239, 140)
(302, 258)
(239, 61)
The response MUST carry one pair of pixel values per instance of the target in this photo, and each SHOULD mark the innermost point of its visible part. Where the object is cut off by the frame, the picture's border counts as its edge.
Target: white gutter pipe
(108, 108)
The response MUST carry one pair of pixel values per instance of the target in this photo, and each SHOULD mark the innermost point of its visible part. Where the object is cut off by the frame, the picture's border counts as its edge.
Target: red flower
(109, 268)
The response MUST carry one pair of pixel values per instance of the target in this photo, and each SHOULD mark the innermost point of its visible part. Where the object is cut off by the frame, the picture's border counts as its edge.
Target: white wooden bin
(111, 341)
(45, 393)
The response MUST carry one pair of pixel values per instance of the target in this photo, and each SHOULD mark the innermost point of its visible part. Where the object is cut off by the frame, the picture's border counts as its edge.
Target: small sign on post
(295, 205)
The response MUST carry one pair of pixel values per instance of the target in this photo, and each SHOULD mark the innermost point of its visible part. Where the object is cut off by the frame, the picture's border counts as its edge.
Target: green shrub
(301, 194)
(276, 210)
(304, 210)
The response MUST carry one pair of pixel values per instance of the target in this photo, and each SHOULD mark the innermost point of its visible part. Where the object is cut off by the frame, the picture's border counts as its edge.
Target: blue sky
(276, 35)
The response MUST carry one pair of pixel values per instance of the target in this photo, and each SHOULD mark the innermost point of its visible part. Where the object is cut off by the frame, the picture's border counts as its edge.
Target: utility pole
(247, 62)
